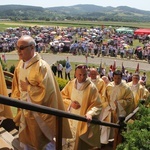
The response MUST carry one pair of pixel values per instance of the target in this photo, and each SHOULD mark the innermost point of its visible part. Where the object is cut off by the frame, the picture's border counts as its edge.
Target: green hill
(76, 12)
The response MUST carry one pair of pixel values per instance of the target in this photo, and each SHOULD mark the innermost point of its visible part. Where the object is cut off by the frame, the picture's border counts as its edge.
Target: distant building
(5, 19)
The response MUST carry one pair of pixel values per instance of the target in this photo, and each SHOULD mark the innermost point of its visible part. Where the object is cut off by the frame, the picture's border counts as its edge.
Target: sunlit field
(4, 25)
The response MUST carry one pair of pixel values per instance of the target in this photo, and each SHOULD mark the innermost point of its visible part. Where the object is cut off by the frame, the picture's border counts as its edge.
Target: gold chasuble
(138, 92)
(5, 111)
(37, 129)
(84, 134)
(100, 85)
(117, 100)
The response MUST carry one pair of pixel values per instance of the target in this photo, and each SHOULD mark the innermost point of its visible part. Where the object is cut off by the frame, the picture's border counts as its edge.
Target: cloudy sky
(139, 4)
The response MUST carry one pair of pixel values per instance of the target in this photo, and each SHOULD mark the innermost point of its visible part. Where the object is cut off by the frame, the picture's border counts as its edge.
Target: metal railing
(59, 115)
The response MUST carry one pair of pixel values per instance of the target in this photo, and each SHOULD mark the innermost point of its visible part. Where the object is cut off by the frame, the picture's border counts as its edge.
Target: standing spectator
(54, 69)
(59, 70)
(140, 56)
(144, 78)
(82, 98)
(34, 82)
(122, 52)
(68, 69)
(130, 53)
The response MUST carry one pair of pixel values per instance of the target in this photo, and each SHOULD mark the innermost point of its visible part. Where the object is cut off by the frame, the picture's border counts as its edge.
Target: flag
(67, 59)
(100, 68)
(4, 57)
(137, 68)
(123, 68)
(114, 66)
(110, 67)
(104, 65)
(67, 63)
(68, 66)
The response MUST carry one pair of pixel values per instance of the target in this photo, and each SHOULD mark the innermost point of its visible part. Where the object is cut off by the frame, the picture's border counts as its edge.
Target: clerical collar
(93, 80)
(117, 84)
(79, 85)
(134, 85)
(25, 64)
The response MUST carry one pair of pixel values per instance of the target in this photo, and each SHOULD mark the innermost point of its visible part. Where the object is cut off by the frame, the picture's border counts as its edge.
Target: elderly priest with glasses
(34, 82)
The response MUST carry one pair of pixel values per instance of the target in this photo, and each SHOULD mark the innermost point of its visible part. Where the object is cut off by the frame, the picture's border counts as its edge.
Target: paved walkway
(52, 58)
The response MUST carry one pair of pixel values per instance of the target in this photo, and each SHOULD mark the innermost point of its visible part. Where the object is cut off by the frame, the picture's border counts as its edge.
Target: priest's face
(135, 79)
(93, 74)
(117, 79)
(24, 49)
(81, 75)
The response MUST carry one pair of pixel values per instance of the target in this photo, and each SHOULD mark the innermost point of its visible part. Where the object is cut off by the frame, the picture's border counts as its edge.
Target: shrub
(61, 82)
(63, 62)
(137, 136)
(12, 69)
(3, 64)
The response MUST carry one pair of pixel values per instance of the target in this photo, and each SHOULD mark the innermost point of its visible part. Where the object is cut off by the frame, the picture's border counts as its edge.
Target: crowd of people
(91, 94)
(96, 41)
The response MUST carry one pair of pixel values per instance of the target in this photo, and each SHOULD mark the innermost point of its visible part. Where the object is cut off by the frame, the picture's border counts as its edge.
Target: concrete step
(7, 140)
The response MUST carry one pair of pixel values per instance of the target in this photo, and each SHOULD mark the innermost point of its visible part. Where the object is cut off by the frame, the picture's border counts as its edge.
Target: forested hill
(76, 12)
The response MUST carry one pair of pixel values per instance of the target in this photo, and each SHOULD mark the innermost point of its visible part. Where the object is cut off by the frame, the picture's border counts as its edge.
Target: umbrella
(122, 41)
(139, 48)
(53, 32)
(66, 41)
(46, 34)
(13, 35)
(104, 43)
(58, 37)
(61, 44)
(127, 47)
(45, 30)
(93, 36)
(38, 39)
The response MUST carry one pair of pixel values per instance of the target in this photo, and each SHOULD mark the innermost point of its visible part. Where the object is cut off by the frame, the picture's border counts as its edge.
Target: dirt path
(52, 58)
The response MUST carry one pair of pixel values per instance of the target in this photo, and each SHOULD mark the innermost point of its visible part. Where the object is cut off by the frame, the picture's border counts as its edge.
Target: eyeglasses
(22, 47)
(135, 78)
(81, 67)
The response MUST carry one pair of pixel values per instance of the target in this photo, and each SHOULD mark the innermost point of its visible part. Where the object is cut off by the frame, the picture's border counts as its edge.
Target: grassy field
(88, 24)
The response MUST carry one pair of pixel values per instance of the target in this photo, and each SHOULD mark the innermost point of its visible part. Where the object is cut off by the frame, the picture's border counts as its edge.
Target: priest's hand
(88, 117)
(116, 103)
(24, 85)
(75, 105)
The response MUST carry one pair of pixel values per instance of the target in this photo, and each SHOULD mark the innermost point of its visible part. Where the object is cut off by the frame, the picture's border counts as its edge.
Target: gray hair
(30, 40)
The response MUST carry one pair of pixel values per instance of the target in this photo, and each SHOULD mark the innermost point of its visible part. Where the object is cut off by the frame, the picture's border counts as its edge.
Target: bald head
(105, 79)
(81, 73)
(27, 40)
(26, 47)
(93, 73)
